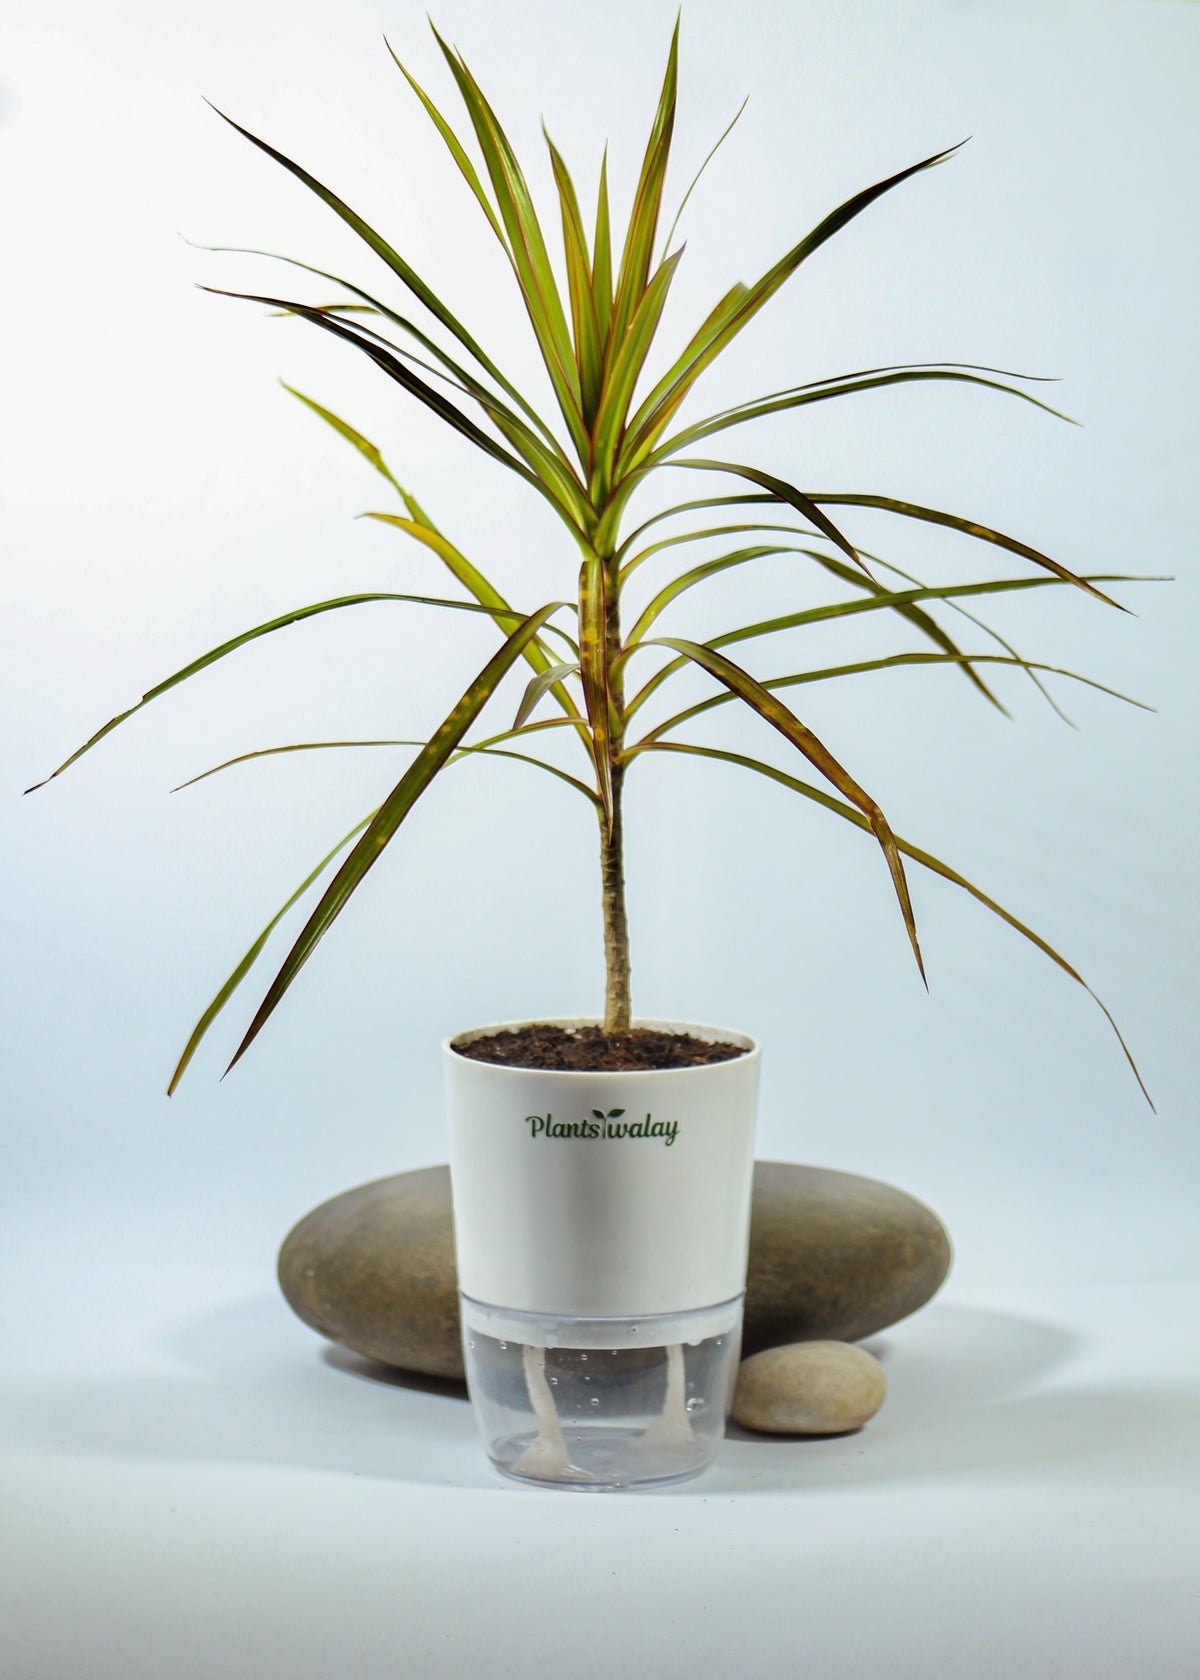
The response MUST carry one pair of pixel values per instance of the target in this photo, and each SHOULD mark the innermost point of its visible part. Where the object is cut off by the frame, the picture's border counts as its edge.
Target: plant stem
(616, 930)
(612, 858)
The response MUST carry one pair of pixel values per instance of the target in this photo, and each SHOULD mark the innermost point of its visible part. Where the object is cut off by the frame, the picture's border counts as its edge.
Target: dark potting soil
(592, 1050)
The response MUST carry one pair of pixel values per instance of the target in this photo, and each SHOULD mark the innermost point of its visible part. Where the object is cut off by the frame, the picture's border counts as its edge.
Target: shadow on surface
(964, 1398)
(374, 1370)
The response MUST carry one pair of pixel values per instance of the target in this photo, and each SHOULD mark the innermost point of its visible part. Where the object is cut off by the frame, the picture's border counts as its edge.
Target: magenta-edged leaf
(540, 686)
(458, 564)
(921, 620)
(918, 855)
(554, 474)
(931, 516)
(548, 475)
(774, 712)
(912, 614)
(826, 390)
(247, 963)
(422, 530)
(402, 269)
(392, 812)
(495, 410)
(643, 220)
(741, 305)
(589, 347)
(485, 747)
(280, 623)
(980, 624)
(887, 662)
(622, 369)
(544, 465)
(364, 445)
(781, 491)
(531, 263)
(396, 369)
(699, 503)
(699, 574)
(454, 147)
(290, 747)
(695, 181)
(886, 600)
(602, 271)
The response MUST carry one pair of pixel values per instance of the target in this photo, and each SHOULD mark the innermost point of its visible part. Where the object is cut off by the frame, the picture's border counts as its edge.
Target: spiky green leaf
(931, 516)
(396, 369)
(846, 385)
(398, 265)
(394, 809)
(496, 411)
(740, 305)
(484, 747)
(699, 574)
(643, 220)
(602, 269)
(585, 323)
(455, 147)
(781, 491)
(773, 711)
(887, 662)
(918, 855)
(695, 181)
(251, 957)
(623, 367)
(886, 600)
(539, 686)
(531, 262)
(280, 623)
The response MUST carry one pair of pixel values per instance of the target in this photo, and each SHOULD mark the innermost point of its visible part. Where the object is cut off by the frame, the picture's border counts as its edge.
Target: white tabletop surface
(196, 1486)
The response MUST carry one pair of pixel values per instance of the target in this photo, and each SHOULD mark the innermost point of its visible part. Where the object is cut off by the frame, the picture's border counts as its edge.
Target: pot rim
(699, 1029)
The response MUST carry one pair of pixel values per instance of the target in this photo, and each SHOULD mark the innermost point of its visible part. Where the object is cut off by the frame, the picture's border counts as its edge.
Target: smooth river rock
(810, 1388)
(833, 1257)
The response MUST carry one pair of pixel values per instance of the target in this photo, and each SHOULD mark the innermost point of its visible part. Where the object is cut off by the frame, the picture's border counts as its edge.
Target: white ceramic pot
(602, 1224)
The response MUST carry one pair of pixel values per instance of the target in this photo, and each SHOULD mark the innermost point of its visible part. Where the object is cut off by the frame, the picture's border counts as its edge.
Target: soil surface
(592, 1050)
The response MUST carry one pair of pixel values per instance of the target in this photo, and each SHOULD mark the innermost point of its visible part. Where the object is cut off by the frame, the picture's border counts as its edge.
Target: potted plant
(601, 1169)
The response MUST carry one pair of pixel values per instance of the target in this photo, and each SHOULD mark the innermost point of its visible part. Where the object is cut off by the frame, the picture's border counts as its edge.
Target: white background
(163, 493)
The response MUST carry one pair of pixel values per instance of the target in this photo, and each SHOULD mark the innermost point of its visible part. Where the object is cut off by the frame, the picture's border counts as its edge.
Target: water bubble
(504, 1347)
(720, 1342)
(595, 1402)
(694, 1405)
(553, 1382)
(583, 1356)
(613, 1351)
(471, 1345)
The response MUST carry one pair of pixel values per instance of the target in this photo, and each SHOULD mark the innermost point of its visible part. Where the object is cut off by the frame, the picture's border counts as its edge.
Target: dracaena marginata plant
(593, 673)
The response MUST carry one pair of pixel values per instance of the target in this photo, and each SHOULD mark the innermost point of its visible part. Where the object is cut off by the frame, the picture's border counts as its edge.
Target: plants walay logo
(608, 1127)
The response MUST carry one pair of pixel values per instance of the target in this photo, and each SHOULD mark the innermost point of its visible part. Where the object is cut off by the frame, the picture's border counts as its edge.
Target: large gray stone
(833, 1257)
